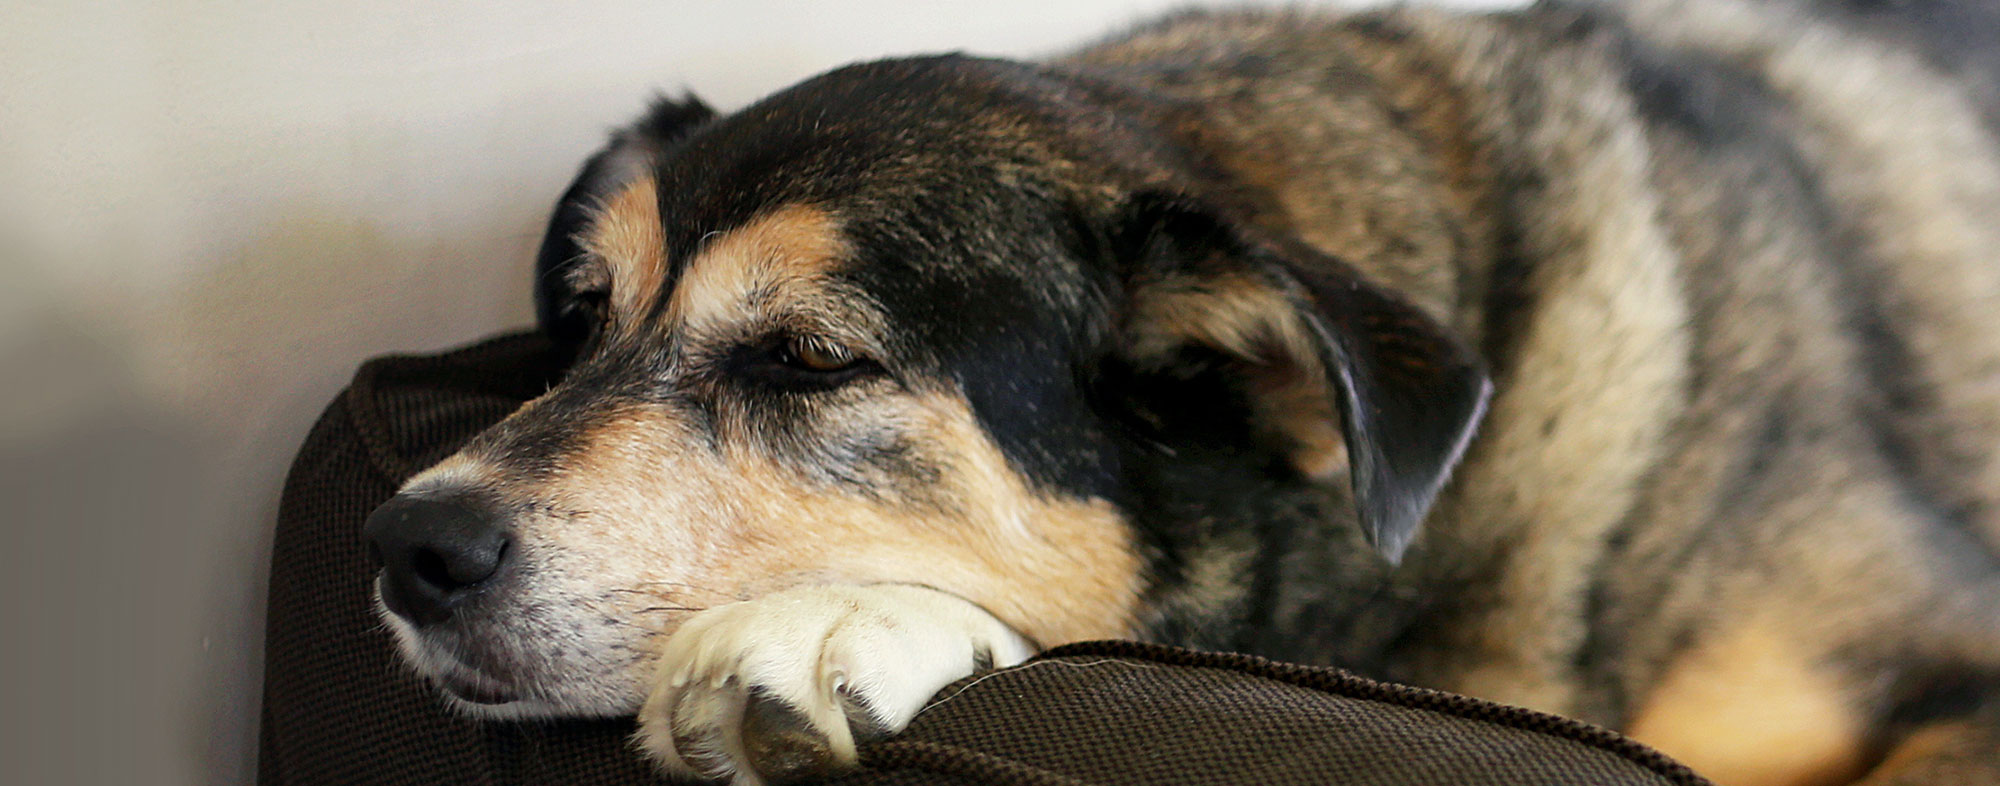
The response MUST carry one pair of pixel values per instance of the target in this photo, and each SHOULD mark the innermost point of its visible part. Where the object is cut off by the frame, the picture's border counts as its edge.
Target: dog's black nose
(435, 553)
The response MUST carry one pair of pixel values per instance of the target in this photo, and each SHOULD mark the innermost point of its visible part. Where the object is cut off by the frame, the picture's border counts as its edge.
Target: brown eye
(799, 363)
(813, 353)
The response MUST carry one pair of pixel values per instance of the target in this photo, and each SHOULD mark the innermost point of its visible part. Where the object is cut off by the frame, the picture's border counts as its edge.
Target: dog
(1635, 362)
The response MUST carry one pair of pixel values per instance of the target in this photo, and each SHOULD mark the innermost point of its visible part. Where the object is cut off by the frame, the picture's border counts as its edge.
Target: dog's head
(934, 321)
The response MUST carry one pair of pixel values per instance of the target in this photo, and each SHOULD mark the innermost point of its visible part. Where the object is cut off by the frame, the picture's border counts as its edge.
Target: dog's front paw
(781, 687)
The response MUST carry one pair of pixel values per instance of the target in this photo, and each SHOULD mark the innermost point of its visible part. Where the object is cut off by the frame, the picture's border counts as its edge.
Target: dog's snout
(435, 553)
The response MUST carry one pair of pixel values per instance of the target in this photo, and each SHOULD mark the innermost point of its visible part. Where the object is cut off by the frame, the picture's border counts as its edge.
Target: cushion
(339, 707)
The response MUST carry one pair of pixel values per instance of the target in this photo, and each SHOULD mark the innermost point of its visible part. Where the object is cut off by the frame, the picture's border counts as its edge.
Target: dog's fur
(1180, 337)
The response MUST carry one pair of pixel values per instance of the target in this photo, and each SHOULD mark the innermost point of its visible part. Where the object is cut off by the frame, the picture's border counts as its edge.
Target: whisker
(674, 584)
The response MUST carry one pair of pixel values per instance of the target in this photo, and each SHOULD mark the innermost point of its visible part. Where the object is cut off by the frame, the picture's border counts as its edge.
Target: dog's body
(925, 364)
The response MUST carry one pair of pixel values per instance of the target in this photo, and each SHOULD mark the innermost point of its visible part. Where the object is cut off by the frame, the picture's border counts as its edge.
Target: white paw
(781, 687)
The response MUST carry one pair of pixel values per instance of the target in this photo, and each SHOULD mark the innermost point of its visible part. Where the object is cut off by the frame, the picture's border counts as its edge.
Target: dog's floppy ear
(630, 154)
(1336, 370)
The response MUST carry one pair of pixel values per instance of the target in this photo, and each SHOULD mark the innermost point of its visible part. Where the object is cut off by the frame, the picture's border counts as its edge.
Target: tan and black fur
(1676, 326)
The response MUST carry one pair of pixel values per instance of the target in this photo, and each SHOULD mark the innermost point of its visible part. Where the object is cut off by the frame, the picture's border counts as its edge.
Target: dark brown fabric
(339, 707)
(1131, 713)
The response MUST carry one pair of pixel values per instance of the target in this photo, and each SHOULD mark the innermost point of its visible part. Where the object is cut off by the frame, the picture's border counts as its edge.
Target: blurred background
(212, 212)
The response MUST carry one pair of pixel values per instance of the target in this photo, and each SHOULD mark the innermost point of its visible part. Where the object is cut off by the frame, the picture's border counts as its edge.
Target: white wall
(212, 211)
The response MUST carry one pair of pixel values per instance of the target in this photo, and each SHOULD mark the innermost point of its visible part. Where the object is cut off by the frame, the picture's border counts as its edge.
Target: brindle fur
(1733, 269)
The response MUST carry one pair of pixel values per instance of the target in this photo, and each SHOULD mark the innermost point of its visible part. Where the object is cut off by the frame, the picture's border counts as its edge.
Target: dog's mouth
(479, 672)
(467, 684)
(454, 678)
(473, 689)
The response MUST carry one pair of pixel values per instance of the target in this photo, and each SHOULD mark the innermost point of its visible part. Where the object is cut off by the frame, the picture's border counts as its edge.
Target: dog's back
(1736, 267)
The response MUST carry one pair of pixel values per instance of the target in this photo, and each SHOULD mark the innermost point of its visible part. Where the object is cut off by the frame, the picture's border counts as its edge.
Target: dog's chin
(473, 693)
(487, 708)
(476, 697)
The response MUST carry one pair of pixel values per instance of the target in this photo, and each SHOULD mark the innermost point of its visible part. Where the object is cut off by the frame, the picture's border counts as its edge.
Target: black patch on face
(1012, 337)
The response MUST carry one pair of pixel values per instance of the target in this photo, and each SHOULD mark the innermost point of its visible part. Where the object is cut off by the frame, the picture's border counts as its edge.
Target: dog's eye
(800, 363)
(817, 354)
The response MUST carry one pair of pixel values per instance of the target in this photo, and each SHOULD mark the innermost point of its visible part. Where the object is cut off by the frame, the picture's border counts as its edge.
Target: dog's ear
(1337, 371)
(629, 155)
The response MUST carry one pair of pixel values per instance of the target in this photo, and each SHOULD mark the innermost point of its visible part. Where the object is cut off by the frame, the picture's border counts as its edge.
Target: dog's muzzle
(437, 553)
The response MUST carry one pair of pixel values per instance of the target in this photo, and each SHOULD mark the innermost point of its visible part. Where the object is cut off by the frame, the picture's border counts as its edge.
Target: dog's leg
(781, 687)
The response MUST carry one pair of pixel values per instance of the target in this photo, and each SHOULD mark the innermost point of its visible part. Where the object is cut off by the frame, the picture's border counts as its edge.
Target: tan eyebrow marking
(780, 252)
(628, 238)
